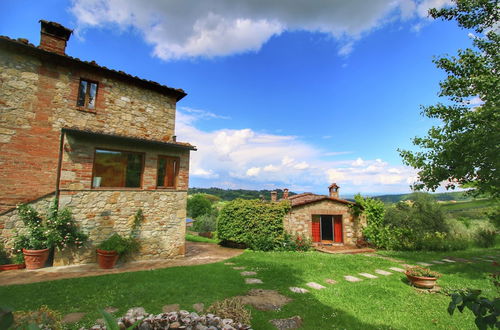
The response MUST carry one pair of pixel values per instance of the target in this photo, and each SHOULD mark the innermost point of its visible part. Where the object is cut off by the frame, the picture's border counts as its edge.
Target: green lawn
(466, 205)
(383, 303)
(196, 238)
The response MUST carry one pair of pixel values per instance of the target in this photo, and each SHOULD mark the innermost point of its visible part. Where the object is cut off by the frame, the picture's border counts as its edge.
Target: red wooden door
(337, 230)
(316, 231)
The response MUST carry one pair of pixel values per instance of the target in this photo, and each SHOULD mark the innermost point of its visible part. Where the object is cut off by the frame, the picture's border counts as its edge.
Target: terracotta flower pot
(106, 259)
(422, 281)
(12, 266)
(35, 259)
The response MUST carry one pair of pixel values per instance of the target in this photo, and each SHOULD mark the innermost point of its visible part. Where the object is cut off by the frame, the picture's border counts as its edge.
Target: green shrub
(198, 205)
(254, 223)
(4, 257)
(295, 243)
(485, 238)
(205, 223)
(122, 245)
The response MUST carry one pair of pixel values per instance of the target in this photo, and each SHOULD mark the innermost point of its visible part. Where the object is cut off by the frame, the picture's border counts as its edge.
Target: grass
(387, 302)
(196, 238)
(466, 205)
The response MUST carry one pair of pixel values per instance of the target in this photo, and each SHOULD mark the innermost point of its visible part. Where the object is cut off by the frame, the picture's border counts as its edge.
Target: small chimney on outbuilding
(334, 190)
(285, 193)
(53, 37)
(274, 196)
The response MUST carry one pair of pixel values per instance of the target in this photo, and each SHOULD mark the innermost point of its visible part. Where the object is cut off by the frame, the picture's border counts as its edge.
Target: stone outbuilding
(101, 141)
(325, 219)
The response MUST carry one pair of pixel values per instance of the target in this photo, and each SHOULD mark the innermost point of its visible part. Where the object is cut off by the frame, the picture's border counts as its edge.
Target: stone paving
(315, 285)
(367, 275)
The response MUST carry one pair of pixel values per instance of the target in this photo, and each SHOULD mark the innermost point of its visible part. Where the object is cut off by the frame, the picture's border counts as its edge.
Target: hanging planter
(35, 259)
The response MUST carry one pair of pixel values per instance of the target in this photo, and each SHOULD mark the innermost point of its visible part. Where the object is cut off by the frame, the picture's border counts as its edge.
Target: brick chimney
(334, 190)
(285, 193)
(53, 37)
(274, 196)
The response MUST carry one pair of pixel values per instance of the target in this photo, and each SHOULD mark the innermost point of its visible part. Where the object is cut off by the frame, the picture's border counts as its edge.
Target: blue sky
(295, 93)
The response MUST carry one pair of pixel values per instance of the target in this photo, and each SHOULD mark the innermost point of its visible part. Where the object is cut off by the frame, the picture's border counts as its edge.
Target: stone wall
(299, 220)
(99, 214)
(38, 98)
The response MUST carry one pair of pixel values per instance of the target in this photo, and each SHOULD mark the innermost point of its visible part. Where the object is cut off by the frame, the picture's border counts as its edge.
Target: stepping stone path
(229, 263)
(199, 307)
(315, 285)
(382, 272)
(407, 266)
(437, 262)
(111, 309)
(424, 264)
(170, 308)
(72, 317)
(298, 290)
(350, 278)
(253, 281)
(448, 260)
(248, 273)
(396, 269)
(239, 268)
(330, 281)
(294, 322)
(368, 275)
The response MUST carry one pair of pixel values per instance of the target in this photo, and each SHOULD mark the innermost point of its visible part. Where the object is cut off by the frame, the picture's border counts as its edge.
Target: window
(117, 169)
(168, 171)
(86, 94)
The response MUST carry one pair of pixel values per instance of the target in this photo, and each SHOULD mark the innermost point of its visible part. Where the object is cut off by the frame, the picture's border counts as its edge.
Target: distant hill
(230, 194)
(447, 196)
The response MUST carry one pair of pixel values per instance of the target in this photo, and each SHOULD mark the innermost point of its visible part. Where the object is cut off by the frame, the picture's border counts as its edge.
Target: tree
(198, 205)
(464, 150)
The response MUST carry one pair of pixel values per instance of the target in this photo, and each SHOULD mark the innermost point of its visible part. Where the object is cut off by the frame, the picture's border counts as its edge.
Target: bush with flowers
(57, 229)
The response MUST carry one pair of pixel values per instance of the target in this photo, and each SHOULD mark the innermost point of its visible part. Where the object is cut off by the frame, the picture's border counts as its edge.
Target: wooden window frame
(176, 172)
(85, 105)
(143, 165)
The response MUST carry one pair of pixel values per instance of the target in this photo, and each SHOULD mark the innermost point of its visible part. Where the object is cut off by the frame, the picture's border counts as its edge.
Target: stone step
(382, 272)
(330, 281)
(397, 269)
(437, 262)
(448, 260)
(367, 275)
(352, 278)
(315, 285)
(298, 290)
(248, 273)
(423, 264)
(253, 281)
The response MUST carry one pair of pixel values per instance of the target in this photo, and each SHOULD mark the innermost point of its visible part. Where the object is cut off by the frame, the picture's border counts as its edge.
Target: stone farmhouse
(326, 220)
(101, 141)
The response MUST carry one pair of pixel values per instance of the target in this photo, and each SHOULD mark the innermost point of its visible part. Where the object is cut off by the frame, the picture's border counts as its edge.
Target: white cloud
(192, 28)
(244, 158)
(253, 171)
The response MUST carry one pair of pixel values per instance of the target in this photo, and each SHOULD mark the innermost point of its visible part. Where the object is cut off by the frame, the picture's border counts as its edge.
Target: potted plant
(57, 230)
(422, 277)
(6, 263)
(114, 247)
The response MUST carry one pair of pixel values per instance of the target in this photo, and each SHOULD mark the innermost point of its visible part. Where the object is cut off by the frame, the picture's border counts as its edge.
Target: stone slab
(298, 290)
(253, 281)
(397, 269)
(437, 262)
(330, 281)
(171, 308)
(199, 307)
(315, 285)
(294, 322)
(367, 275)
(448, 260)
(229, 263)
(425, 264)
(72, 317)
(350, 278)
(382, 272)
(239, 268)
(111, 309)
(407, 265)
(248, 273)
